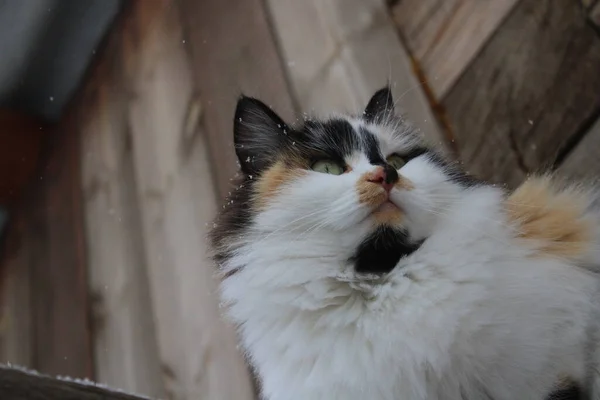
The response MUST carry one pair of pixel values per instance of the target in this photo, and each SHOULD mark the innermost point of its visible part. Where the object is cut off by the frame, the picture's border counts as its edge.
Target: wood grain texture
(233, 52)
(125, 347)
(176, 195)
(445, 35)
(46, 311)
(339, 52)
(523, 100)
(62, 337)
(584, 161)
(16, 384)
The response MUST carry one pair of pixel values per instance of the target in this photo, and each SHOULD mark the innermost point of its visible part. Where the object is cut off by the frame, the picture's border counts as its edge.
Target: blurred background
(115, 149)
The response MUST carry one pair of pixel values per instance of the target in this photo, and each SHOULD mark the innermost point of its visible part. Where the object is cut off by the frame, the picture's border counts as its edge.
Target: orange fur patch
(272, 179)
(370, 193)
(404, 183)
(374, 195)
(388, 215)
(552, 217)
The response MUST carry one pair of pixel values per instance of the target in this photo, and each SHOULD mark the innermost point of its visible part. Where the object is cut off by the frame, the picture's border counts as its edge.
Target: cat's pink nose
(384, 177)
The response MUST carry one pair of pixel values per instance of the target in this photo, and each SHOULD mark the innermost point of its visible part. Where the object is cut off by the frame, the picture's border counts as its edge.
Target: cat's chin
(388, 214)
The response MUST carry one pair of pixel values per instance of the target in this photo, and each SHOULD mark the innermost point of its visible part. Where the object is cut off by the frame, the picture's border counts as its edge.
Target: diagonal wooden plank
(523, 100)
(583, 162)
(445, 35)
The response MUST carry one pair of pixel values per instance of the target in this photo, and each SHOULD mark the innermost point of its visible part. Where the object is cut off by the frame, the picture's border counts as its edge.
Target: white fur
(470, 314)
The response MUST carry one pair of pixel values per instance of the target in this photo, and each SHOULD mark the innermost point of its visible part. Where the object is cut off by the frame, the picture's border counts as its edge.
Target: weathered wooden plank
(594, 15)
(16, 323)
(45, 298)
(177, 198)
(232, 51)
(338, 52)
(526, 96)
(17, 384)
(445, 35)
(56, 247)
(126, 350)
(20, 144)
(584, 161)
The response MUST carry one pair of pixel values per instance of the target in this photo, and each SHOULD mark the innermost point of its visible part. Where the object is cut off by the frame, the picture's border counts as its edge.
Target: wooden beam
(18, 384)
(20, 145)
(520, 105)
(232, 51)
(445, 35)
(336, 59)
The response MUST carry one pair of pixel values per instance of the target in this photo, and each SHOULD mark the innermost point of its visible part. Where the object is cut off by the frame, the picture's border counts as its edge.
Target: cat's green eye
(327, 167)
(396, 161)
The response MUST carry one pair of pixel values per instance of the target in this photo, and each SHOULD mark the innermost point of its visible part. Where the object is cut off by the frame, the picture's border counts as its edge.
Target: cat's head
(331, 197)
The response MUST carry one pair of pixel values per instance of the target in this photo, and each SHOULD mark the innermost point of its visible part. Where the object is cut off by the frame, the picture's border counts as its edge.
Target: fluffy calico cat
(359, 264)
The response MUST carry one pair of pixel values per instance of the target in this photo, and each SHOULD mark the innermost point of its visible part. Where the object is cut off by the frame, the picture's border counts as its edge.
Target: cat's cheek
(418, 211)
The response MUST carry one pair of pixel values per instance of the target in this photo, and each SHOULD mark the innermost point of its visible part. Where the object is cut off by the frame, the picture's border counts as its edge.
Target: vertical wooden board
(62, 342)
(177, 199)
(233, 52)
(16, 324)
(125, 347)
(583, 162)
(340, 52)
(445, 35)
(522, 101)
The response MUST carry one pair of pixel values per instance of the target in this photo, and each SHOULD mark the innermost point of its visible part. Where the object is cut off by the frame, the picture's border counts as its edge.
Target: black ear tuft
(258, 134)
(380, 107)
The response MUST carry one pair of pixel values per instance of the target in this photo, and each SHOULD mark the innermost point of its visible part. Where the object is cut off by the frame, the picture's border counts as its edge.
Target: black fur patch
(453, 170)
(380, 252)
(569, 393)
(380, 107)
(371, 147)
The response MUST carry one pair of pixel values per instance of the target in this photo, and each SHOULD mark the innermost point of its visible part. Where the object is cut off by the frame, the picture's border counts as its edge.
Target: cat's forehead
(348, 136)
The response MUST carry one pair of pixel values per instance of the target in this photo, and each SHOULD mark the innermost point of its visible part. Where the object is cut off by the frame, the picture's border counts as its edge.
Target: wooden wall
(516, 83)
(106, 273)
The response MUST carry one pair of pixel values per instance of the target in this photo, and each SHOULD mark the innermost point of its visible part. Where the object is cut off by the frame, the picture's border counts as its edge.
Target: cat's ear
(380, 107)
(258, 134)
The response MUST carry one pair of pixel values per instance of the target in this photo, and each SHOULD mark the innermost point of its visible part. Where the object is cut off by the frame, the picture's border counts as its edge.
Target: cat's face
(360, 192)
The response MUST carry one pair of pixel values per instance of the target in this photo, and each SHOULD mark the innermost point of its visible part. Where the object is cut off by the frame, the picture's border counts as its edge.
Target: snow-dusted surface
(79, 381)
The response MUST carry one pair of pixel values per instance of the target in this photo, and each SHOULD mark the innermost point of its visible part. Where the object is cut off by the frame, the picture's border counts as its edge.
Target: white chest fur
(469, 315)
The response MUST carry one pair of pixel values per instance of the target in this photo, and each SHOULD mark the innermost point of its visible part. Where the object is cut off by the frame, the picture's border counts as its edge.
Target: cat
(358, 262)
